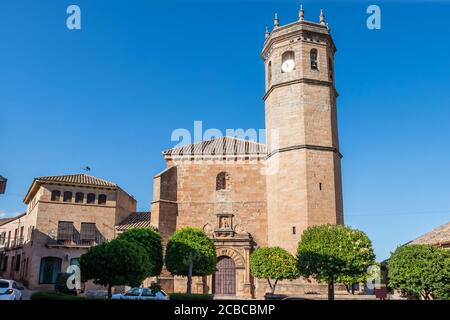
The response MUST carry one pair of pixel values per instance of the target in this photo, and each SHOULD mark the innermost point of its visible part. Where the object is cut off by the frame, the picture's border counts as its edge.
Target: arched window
(67, 197)
(223, 181)
(56, 195)
(269, 72)
(313, 56)
(90, 198)
(79, 197)
(102, 199)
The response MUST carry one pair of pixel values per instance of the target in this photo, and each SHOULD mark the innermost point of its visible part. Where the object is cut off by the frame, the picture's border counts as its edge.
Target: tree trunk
(347, 287)
(353, 288)
(189, 282)
(331, 289)
(274, 286)
(109, 291)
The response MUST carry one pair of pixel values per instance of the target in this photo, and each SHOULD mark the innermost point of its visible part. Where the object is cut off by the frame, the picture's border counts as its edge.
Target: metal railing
(75, 240)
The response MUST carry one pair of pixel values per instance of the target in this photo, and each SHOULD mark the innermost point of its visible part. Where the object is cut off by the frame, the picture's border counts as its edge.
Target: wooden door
(225, 277)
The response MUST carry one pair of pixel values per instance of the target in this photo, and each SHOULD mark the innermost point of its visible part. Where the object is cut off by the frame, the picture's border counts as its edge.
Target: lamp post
(3, 181)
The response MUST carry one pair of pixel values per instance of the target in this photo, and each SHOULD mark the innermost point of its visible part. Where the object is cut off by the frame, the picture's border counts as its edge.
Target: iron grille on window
(88, 231)
(65, 231)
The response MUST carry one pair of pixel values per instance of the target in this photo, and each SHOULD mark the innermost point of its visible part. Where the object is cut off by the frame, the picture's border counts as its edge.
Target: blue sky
(110, 95)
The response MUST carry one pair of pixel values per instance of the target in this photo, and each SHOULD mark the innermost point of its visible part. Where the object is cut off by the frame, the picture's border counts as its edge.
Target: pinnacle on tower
(276, 21)
(322, 17)
(267, 32)
(301, 13)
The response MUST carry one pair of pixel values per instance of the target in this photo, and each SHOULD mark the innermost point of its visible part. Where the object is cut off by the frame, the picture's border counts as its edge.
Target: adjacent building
(65, 216)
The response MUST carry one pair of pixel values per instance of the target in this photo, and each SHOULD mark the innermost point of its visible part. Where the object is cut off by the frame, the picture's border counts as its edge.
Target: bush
(61, 284)
(51, 295)
(186, 296)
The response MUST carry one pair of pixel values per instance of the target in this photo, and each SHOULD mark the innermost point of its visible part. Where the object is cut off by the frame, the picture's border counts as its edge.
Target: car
(10, 290)
(141, 294)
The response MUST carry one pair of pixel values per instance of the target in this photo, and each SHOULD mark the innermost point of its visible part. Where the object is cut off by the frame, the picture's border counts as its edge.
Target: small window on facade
(269, 72)
(102, 199)
(17, 267)
(5, 263)
(330, 68)
(90, 198)
(223, 181)
(79, 197)
(56, 195)
(313, 56)
(67, 197)
(320, 186)
(294, 231)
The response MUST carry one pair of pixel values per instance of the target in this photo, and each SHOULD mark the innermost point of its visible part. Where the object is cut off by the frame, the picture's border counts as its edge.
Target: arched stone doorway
(224, 280)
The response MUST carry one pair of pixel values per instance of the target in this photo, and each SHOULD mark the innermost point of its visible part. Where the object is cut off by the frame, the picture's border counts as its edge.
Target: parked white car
(141, 294)
(10, 290)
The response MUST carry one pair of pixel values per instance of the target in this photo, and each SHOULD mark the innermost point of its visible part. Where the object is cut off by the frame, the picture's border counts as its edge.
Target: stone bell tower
(304, 163)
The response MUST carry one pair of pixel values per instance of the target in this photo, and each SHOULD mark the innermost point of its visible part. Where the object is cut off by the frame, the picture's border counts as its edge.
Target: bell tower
(304, 163)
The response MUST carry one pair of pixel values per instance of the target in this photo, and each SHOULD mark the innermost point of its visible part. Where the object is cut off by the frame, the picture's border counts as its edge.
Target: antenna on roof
(87, 168)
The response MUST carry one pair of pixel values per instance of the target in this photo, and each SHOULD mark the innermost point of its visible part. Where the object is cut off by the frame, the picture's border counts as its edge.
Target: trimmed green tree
(150, 240)
(330, 252)
(420, 270)
(115, 263)
(190, 253)
(274, 264)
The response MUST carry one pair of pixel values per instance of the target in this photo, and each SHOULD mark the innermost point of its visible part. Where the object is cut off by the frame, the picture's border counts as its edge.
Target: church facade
(246, 195)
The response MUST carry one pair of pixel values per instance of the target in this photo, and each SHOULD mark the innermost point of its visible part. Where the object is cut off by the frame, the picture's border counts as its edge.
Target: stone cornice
(302, 80)
(306, 146)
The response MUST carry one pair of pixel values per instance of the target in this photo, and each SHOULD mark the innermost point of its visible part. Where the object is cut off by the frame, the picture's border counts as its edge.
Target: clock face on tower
(288, 65)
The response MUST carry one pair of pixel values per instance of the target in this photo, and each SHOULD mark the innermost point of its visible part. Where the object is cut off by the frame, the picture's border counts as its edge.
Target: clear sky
(110, 95)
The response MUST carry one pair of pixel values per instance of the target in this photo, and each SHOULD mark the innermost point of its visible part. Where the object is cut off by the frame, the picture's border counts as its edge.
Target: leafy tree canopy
(114, 263)
(150, 240)
(328, 252)
(273, 263)
(190, 245)
(420, 270)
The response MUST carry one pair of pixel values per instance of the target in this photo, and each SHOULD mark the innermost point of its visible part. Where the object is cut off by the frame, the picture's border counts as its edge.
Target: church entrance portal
(225, 277)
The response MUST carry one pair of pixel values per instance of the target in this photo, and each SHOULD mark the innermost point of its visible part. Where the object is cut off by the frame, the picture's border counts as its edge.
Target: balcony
(75, 241)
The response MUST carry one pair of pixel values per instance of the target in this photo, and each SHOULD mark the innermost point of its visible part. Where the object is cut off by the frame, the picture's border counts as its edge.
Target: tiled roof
(219, 146)
(135, 220)
(78, 179)
(6, 220)
(439, 235)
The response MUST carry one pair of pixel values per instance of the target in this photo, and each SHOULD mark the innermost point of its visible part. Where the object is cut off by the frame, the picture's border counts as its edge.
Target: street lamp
(2, 184)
